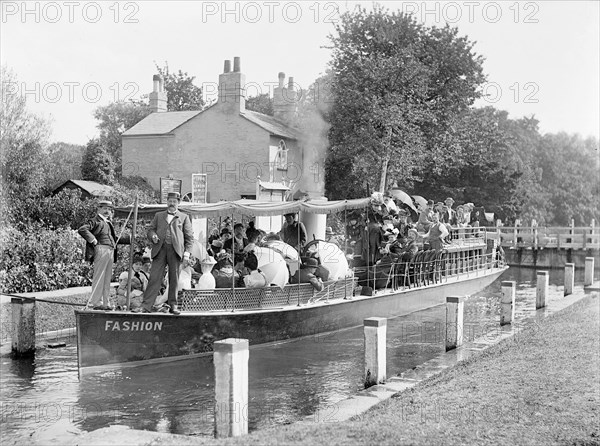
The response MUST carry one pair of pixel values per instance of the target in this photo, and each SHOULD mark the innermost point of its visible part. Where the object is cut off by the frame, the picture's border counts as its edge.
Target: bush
(41, 259)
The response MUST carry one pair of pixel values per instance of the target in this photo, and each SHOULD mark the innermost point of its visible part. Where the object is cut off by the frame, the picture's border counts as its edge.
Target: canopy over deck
(251, 207)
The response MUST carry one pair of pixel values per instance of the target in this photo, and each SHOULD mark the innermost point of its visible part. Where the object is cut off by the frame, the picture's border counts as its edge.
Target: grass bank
(542, 389)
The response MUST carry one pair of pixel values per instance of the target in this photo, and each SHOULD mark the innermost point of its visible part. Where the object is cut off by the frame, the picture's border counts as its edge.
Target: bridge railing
(546, 237)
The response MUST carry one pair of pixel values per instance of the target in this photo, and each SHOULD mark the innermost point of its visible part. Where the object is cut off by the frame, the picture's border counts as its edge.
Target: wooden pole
(507, 303)
(589, 271)
(569, 278)
(454, 322)
(132, 251)
(375, 350)
(23, 327)
(231, 387)
(541, 289)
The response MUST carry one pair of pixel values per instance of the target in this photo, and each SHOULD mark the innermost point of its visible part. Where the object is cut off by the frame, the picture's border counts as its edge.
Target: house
(242, 153)
(89, 189)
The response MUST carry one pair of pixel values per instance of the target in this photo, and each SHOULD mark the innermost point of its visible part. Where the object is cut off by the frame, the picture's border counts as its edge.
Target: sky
(541, 58)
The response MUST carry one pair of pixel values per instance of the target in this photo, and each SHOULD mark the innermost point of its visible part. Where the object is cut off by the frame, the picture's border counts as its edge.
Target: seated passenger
(424, 222)
(409, 246)
(392, 247)
(306, 274)
(437, 233)
(225, 275)
(255, 279)
(139, 282)
(321, 272)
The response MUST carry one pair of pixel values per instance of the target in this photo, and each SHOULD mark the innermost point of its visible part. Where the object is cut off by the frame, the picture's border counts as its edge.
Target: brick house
(233, 146)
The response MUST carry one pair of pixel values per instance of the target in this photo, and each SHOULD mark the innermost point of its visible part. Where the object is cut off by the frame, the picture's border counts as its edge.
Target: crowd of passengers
(375, 238)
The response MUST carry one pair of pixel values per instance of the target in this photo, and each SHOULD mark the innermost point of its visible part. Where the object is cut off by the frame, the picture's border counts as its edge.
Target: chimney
(232, 92)
(158, 97)
(285, 102)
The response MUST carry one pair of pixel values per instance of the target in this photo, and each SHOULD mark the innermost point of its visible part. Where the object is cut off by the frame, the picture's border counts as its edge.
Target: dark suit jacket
(98, 230)
(182, 234)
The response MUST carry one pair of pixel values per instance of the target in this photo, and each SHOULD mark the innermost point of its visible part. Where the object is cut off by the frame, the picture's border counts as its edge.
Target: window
(281, 159)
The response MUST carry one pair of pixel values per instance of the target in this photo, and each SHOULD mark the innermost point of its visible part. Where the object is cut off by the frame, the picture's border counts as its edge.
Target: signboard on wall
(168, 185)
(199, 187)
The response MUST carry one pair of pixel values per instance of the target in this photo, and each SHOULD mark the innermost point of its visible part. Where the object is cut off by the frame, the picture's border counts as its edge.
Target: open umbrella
(273, 266)
(288, 252)
(403, 198)
(420, 201)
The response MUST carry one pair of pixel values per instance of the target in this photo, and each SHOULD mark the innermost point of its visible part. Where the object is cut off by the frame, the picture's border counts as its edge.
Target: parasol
(332, 258)
(403, 198)
(420, 201)
(273, 266)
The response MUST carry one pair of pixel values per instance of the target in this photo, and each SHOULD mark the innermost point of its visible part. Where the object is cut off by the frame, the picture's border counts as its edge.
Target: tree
(395, 84)
(114, 119)
(261, 104)
(182, 94)
(97, 164)
(64, 163)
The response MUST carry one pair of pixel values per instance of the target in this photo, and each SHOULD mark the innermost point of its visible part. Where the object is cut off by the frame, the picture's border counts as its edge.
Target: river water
(44, 401)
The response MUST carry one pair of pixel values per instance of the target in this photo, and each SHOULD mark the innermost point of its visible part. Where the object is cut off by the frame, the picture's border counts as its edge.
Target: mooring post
(454, 321)
(589, 272)
(507, 303)
(541, 291)
(569, 278)
(375, 345)
(231, 387)
(23, 327)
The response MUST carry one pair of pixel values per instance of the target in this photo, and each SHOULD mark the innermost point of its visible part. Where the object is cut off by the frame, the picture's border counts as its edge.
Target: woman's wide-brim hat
(209, 261)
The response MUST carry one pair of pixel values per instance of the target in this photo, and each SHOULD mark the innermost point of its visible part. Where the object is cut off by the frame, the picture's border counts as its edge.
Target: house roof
(161, 123)
(271, 124)
(91, 187)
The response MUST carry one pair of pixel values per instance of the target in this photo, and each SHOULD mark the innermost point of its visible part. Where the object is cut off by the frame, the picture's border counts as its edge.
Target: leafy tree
(64, 163)
(113, 120)
(97, 164)
(261, 104)
(395, 84)
(182, 94)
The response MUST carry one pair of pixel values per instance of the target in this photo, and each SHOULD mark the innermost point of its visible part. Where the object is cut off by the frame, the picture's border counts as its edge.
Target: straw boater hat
(106, 203)
(310, 263)
(329, 230)
(449, 199)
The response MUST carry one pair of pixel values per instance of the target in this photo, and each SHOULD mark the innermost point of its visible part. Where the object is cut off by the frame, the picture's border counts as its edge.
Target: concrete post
(23, 327)
(375, 350)
(569, 278)
(231, 387)
(589, 271)
(507, 303)
(542, 289)
(454, 321)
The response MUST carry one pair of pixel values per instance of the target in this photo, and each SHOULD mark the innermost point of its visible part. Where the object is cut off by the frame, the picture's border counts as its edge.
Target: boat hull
(109, 339)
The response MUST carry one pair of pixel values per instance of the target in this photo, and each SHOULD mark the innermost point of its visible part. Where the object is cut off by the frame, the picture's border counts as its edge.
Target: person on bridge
(172, 236)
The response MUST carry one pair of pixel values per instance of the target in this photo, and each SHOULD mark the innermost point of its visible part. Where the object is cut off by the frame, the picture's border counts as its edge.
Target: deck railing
(546, 237)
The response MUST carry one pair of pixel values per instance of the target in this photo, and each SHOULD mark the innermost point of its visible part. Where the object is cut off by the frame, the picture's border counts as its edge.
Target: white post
(454, 321)
(589, 271)
(543, 281)
(375, 350)
(23, 327)
(569, 278)
(231, 387)
(507, 303)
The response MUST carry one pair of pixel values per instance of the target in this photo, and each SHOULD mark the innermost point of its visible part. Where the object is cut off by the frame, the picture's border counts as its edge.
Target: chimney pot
(291, 83)
(227, 66)
(236, 65)
(281, 77)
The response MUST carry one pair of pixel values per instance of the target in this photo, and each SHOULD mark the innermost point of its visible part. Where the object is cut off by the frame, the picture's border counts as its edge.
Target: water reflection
(287, 381)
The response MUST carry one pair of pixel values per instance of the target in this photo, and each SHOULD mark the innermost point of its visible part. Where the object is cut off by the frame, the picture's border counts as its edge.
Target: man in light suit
(101, 250)
(171, 235)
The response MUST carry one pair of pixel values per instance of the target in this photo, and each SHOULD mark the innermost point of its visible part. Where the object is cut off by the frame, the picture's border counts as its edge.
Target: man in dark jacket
(172, 236)
(101, 250)
(293, 232)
